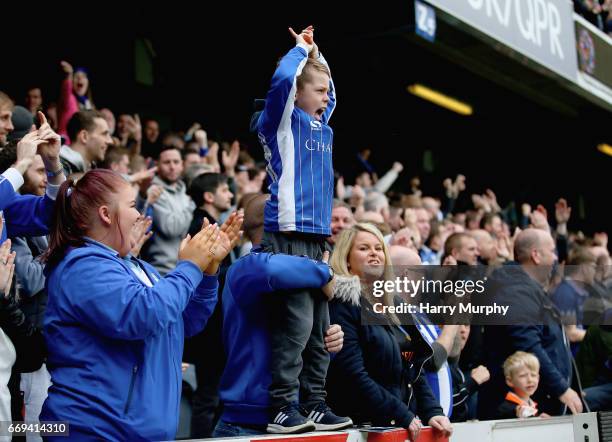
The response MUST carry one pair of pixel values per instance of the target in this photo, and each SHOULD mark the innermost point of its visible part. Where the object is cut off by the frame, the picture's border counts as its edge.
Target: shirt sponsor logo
(315, 125)
(318, 146)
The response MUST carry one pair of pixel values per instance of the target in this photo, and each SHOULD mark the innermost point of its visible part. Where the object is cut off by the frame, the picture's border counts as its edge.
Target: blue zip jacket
(298, 149)
(115, 344)
(24, 215)
(246, 332)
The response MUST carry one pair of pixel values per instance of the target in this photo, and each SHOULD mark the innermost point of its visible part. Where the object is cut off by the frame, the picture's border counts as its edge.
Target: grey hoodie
(72, 161)
(172, 215)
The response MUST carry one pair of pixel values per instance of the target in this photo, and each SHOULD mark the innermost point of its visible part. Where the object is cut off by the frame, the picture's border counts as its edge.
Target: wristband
(53, 174)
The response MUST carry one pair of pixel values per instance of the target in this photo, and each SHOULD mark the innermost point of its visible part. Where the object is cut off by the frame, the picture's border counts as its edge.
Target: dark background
(211, 62)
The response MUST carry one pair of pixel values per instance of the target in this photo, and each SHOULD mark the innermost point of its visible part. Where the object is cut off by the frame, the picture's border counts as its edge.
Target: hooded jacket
(116, 343)
(372, 379)
(172, 214)
(246, 327)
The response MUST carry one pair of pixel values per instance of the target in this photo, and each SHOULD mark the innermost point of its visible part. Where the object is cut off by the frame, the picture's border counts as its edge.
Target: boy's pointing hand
(306, 37)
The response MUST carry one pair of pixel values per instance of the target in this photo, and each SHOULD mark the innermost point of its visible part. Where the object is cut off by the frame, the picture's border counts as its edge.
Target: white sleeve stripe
(286, 150)
(52, 191)
(445, 389)
(300, 159)
(332, 86)
(14, 177)
(335, 99)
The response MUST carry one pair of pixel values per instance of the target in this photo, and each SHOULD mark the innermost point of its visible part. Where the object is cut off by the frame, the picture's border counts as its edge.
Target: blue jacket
(569, 297)
(116, 344)
(24, 215)
(246, 334)
(298, 149)
(533, 325)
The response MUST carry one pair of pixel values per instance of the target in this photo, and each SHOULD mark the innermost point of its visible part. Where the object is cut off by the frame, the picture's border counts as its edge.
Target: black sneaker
(325, 419)
(290, 420)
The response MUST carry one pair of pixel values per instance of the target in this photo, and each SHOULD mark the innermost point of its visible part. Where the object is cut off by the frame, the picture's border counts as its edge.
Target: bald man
(404, 256)
(532, 325)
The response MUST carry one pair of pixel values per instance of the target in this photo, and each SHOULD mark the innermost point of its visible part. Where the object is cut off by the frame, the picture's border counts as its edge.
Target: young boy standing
(297, 141)
(522, 373)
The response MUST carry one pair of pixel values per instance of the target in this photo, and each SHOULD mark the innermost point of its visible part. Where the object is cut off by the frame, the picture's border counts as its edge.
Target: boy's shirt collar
(515, 398)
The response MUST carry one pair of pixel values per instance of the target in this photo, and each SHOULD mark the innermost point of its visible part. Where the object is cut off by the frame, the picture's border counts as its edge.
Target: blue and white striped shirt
(298, 149)
(441, 382)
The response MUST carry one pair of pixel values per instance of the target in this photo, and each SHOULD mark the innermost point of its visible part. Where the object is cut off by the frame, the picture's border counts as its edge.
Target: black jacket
(371, 380)
(209, 341)
(533, 326)
(463, 388)
(27, 339)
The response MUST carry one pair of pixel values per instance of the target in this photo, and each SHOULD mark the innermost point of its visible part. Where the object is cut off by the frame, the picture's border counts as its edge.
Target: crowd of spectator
(124, 262)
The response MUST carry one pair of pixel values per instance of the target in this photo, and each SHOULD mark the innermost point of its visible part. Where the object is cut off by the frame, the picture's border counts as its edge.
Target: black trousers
(299, 321)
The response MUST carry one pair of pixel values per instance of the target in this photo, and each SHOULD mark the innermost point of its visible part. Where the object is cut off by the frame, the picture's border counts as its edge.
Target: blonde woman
(376, 378)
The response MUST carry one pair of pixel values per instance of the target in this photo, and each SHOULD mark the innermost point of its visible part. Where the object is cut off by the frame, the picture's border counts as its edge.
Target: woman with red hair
(114, 327)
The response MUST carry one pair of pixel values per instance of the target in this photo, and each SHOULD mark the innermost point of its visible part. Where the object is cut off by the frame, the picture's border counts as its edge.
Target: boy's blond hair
(519, 360)
(312, 65)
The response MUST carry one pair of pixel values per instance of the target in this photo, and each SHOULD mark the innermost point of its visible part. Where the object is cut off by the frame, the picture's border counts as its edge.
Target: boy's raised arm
(281, 95)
